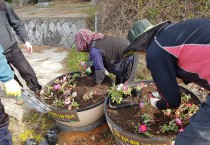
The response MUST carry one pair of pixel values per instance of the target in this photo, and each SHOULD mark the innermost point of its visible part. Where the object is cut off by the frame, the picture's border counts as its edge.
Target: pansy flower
(57, 87)
(141, 104)
(143, 128)
(188, 105)
(178, 122)
(74, 94)
(119, 87)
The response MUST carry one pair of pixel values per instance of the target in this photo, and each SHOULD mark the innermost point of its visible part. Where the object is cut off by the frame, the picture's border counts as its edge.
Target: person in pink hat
(106, 56)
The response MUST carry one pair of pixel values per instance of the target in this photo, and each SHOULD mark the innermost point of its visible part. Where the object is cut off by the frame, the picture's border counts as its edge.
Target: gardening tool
(34, 102)
(31, 100)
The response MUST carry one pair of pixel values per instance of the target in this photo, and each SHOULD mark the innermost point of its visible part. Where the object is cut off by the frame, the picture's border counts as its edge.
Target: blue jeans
(5, 136)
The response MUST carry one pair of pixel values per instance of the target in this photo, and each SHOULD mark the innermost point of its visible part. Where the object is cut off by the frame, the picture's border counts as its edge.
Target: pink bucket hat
(84, 38)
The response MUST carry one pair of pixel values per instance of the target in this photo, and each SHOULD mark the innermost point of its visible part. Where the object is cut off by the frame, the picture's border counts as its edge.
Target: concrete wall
(53, 31)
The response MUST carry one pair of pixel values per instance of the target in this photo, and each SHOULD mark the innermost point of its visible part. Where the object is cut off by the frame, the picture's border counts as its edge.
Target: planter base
(90, 127)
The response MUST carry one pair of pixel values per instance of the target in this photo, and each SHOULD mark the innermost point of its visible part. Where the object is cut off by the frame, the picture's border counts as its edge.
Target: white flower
(119, 87)
(74, 94)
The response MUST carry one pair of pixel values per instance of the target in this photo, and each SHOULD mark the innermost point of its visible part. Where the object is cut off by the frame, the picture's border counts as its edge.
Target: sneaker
(20, 102)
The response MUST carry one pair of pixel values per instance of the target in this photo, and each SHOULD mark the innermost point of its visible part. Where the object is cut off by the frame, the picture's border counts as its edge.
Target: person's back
(106, 54)
(111, 49)
(179, 50)
(189, 43)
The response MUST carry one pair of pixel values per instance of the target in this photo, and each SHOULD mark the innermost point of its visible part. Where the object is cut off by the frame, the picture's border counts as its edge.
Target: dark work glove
(52, 136)
(30, 141)
(126, 66)
(99, 76)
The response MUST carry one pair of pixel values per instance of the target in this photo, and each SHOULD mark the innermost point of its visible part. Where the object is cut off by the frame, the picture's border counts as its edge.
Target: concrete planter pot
(81, 119)
(123, 137)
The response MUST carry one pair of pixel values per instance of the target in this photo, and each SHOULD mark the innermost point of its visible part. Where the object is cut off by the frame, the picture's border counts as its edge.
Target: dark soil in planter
(128, 118)
(84, 85)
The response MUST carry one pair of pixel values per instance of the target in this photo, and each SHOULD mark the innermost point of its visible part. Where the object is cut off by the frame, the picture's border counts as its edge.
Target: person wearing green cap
(11, 88)
(180, 50)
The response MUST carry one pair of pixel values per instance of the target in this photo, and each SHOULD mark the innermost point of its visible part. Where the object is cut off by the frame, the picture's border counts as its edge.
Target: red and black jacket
(179, 50)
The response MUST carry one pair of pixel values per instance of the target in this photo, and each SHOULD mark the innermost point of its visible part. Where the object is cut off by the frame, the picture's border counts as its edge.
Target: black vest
(111, 49)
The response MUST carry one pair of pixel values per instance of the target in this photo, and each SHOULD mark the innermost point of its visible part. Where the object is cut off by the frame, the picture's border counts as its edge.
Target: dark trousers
(18, 60)
(5, 136)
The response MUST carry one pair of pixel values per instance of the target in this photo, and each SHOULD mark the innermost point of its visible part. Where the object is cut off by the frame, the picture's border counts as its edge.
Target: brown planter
(123, 137)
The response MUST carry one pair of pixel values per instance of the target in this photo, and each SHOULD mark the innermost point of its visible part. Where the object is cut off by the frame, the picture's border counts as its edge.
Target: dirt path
(99, 136)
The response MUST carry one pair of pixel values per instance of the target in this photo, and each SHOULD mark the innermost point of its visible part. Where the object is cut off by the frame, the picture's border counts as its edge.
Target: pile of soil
(133, 116)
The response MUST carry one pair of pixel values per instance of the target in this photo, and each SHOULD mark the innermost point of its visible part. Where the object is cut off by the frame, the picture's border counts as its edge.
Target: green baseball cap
(139, 36)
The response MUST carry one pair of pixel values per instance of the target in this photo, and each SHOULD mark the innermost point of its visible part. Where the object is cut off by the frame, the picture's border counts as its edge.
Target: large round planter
(78, 119)
(123, 137)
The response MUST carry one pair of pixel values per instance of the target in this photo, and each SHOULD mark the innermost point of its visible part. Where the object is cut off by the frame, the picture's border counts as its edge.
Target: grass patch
(74, 59)
(36, 126)
(90, 10)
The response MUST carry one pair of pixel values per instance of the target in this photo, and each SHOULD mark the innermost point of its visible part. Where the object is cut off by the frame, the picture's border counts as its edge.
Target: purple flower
(178, 122)
(57, 87)
(143, 128)
(141, 104)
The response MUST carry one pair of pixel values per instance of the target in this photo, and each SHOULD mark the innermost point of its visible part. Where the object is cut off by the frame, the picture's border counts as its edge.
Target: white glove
(106, 72)
(153, 100)
(29, 47)
(12, 88)
(156, 95)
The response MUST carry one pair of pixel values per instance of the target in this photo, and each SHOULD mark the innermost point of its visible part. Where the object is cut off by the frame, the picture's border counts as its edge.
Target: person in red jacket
(106, 55)
(179, 50)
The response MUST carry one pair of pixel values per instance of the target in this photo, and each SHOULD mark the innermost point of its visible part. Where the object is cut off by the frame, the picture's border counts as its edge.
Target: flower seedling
(62, 91)
(118, 92)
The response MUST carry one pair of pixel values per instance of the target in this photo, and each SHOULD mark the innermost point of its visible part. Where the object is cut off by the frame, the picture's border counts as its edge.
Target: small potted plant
(133, 120)
(75, 100)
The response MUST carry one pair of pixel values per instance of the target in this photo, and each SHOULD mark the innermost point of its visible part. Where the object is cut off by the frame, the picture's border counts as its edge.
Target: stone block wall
(54, 31)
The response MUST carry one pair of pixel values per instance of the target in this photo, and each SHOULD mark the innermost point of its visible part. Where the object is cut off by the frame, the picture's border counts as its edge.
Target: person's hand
(12, 88)
(153, 99)
(29, 47)
(106, 72)
(88, 71)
